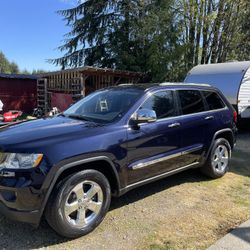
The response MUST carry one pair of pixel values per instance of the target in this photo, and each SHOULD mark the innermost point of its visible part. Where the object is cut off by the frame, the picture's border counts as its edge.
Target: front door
(154, 148)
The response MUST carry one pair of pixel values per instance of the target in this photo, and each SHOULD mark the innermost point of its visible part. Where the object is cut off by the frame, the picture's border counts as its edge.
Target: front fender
(64, 165)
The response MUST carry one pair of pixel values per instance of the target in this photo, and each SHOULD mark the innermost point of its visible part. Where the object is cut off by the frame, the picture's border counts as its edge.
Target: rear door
(195, 125)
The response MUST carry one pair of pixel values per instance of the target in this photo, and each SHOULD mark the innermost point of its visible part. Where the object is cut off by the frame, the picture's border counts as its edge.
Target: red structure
(58, 89)
(18, 92)
(61, 101)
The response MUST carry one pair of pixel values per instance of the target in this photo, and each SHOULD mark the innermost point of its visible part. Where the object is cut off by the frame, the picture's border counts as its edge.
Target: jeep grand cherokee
(68, 167)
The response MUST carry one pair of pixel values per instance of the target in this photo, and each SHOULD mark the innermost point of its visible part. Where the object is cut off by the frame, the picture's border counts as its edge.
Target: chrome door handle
(209, 117)
(174, 125)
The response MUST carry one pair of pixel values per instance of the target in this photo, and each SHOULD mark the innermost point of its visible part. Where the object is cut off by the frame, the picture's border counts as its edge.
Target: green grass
(167, 245)
(241, 194)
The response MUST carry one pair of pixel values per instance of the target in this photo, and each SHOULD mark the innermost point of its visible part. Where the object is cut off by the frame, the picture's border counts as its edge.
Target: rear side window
(213, 100)
(191, 101)
(162, 103)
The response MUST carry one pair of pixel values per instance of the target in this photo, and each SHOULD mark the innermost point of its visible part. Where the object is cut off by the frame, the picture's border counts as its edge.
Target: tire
(216, 164)
(78, 204)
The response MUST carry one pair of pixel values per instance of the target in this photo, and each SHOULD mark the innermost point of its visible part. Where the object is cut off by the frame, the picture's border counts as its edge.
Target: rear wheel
(217, 163)
(79, 203)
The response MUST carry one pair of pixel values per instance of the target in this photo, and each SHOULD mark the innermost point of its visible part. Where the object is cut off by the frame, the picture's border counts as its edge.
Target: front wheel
(79, 203)
(216, 165)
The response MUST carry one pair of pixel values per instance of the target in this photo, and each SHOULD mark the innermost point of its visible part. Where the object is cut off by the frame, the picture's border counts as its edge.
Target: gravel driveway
(185, 211)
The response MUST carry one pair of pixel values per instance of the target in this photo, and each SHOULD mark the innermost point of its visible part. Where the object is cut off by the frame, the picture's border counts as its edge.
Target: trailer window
(191, 101)
(213, 100)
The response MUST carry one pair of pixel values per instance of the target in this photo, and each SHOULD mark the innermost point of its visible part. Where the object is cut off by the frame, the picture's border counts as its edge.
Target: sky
(31, 31)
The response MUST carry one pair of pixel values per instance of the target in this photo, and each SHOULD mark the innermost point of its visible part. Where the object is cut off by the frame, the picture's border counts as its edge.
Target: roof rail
(126, 84)
(199, 84)
(168, 83)
(184, 83)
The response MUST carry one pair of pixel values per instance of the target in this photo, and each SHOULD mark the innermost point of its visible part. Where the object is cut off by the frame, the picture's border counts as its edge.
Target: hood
(50, 129)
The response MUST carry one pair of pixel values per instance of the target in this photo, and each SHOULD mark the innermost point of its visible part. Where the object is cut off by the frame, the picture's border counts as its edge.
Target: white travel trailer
(231, 78)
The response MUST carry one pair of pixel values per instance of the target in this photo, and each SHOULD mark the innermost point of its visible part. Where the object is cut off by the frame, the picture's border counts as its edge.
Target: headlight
(19, 161)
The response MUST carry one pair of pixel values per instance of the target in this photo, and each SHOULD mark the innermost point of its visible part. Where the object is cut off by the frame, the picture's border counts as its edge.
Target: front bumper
(20, 203)
(32, 217)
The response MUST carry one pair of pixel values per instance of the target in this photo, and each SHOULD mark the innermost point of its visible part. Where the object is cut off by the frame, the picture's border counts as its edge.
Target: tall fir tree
(164, 38)
(137, 35)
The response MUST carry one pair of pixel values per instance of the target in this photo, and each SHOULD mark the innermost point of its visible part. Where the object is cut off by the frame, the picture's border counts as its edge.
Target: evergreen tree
(6, 66)
(38, 71)
(164, 38)
(137, 35)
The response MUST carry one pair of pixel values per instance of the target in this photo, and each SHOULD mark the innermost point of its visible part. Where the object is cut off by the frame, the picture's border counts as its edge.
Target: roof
(221, 68)
(18, 76)
(89, 69)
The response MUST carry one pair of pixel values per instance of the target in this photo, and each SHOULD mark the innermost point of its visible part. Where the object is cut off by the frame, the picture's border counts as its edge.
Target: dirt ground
(185, 211)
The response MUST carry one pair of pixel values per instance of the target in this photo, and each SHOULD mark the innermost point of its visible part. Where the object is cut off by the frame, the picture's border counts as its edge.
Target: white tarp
(1, 105)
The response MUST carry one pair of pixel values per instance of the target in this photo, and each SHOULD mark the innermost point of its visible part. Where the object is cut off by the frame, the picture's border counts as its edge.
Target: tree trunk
(205, 43)
(200, 11)
(217, 31)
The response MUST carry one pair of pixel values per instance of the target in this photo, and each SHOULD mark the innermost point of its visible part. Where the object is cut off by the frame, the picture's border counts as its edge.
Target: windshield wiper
(79, 117)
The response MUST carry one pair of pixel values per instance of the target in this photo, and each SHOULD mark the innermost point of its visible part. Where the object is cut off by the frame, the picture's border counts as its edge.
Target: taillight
(235, 116)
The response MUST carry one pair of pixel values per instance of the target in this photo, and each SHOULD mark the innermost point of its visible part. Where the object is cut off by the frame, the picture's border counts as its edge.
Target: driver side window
(162, 103)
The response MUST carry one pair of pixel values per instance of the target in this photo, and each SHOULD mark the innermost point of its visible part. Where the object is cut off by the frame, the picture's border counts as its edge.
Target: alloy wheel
(83, 204)
(220, 158)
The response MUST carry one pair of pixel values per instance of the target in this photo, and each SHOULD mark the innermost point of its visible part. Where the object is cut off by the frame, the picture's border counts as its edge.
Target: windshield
(104, 106)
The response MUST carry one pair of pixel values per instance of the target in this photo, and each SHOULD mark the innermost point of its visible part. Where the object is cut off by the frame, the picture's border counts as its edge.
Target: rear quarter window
(213, 100)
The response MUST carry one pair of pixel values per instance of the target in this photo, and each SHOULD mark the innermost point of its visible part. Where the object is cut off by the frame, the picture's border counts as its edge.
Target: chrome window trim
(148, 163)
(181, 115)
(184, 116)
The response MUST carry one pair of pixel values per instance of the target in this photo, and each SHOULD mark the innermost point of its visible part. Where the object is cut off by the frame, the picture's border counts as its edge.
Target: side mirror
(144, 116)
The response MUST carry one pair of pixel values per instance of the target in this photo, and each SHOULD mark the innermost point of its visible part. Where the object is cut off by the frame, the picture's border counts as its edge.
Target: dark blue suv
(68, 167)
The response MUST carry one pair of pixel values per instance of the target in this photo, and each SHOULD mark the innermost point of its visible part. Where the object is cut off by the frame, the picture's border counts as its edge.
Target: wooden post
(83, 90)
(45, 96)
